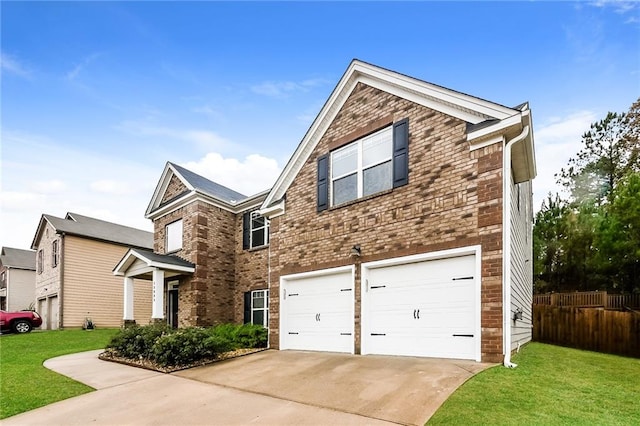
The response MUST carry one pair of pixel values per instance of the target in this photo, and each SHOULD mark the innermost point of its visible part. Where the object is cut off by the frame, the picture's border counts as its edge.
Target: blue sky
(97, 96)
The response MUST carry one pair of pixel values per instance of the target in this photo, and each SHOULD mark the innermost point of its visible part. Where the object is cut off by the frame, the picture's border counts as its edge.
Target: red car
(20, 322)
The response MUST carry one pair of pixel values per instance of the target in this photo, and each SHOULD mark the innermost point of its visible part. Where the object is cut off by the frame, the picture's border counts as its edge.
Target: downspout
(506, 246)
(269, 287)
(61, 291)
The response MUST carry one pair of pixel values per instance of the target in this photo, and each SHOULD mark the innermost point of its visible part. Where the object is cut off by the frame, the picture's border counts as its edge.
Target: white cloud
(279, 89)
(204, 139)
(86, 182)
(556, 141)
(49, 186)
(75, 72)
(12, 65)
(249, 176)
(111, 186)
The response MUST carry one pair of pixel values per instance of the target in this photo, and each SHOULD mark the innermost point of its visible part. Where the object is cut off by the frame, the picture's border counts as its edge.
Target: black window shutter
(323, 182)
(401, 153)
(247, 307)
(246, 229)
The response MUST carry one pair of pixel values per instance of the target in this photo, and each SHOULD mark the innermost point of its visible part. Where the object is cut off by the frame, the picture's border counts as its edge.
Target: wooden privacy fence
(592, 329)
(589, 299)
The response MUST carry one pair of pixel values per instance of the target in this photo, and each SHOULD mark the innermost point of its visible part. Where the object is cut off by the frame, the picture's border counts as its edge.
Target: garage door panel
(424, 308)
(317, 312)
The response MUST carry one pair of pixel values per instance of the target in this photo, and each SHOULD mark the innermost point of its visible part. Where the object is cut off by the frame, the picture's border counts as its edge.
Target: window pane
(257, 238)
(377, 148)
(345, 189)
(344, 160)
(258, 299)
(377, 179)
(257, 221)
(174, 236)
(258, 317)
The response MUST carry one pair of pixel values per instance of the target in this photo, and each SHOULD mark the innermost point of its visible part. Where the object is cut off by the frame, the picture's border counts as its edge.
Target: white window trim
(55, 250)
(166, 237)
(265, 229)
(360, 169)
(265, 309)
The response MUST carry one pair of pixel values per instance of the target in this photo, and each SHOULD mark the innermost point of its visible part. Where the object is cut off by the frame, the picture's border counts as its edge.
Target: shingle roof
(167, 259)
(18, 258)
(89, 227)
(211, 188)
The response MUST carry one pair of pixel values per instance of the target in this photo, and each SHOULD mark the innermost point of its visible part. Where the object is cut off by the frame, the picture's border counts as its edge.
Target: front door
(172, 304)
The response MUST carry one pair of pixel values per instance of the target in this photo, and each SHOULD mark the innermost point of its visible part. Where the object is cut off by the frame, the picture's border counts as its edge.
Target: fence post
(605, 302)
(554, 299)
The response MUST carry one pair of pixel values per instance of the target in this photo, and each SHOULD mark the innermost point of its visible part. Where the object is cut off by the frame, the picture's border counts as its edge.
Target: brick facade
(453, 199)
(212, 240)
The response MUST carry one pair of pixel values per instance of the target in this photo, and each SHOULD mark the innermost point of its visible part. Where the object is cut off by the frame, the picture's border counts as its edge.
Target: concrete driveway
(270, 387)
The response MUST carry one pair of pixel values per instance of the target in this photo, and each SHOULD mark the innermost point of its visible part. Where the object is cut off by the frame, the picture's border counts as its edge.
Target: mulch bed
(150, 365)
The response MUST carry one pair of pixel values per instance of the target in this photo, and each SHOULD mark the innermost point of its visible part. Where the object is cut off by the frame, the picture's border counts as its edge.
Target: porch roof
(140, 263)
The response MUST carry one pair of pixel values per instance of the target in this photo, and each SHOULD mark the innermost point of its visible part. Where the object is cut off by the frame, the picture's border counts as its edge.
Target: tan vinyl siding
(521, 263)
(20, 289)
(91, 290)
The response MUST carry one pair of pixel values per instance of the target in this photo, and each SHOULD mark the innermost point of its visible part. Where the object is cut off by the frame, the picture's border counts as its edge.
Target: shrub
(182, 347)
(136, 342)
(251, 336)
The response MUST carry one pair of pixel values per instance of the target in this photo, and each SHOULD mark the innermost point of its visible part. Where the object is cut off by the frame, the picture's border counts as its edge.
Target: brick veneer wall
(251, 271)
(206, 297)
(453, 199)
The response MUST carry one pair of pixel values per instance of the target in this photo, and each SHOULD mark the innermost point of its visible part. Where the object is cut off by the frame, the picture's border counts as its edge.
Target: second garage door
(316, 311)
(422, 308)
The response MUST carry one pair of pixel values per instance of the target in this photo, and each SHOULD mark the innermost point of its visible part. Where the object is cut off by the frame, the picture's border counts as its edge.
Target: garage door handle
(463, 335)
(462, 278)
(414, 314)
(418, 314)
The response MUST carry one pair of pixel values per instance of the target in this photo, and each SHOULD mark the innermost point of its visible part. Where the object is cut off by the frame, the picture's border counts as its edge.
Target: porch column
(128, 299)
(157, 309)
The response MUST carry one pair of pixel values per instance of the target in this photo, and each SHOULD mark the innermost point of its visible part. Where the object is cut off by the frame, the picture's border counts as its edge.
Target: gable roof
(18, 258)
(487, 116)
(96, 229)
(198, 187)
(171, 264)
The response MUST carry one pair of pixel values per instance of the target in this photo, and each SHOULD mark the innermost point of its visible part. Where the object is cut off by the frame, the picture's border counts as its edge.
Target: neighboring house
(74, 262)
(401, 225)
(17, 279)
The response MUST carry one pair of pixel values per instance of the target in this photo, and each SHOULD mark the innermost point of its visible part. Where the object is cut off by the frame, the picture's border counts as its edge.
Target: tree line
(589, 239)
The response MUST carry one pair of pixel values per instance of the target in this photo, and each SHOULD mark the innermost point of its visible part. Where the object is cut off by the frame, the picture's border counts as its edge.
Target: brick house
(401, 225)
(74, 261)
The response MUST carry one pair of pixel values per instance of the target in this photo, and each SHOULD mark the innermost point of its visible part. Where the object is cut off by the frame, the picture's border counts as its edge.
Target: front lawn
(552, 385)
(25, 383)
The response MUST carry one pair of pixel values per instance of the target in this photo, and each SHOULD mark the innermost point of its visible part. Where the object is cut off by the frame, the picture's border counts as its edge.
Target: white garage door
(425, 308)
(316, 311)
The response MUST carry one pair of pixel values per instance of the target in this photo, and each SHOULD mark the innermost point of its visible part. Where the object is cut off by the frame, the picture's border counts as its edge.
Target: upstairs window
(362, 168)
(39, 262)
(3, 279)
(255, 230)
(54, 253)
(173, 236)
(374, 163)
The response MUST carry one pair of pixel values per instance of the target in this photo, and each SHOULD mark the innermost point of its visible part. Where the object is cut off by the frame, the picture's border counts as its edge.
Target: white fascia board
(311, 138)
(162, 185)
(274, 210)
(461, 100)
(169, 267)
(200, 196)
(499, 128)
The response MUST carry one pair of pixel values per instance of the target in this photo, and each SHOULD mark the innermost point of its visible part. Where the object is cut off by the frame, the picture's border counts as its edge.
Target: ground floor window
(256, 307)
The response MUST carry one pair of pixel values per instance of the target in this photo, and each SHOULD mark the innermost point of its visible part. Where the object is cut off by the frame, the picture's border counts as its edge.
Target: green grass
(551, 386)
(25, 383)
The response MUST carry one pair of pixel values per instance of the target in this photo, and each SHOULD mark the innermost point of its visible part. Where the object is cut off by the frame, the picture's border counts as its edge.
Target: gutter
(506, 243)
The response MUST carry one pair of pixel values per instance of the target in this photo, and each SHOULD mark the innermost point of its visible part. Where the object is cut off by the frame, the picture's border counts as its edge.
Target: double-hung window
(40, 261)
(255, 230)
(256, 309)
(362, 168)
(54, 253)
(173, 236)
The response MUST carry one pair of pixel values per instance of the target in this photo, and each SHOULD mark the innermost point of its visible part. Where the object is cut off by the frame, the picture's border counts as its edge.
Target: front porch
(164, 271)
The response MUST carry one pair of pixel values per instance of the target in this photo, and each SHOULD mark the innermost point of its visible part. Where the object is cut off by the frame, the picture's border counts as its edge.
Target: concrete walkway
(271, 387)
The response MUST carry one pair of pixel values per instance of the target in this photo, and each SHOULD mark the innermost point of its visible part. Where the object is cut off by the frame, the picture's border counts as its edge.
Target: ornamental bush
(176, 347)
